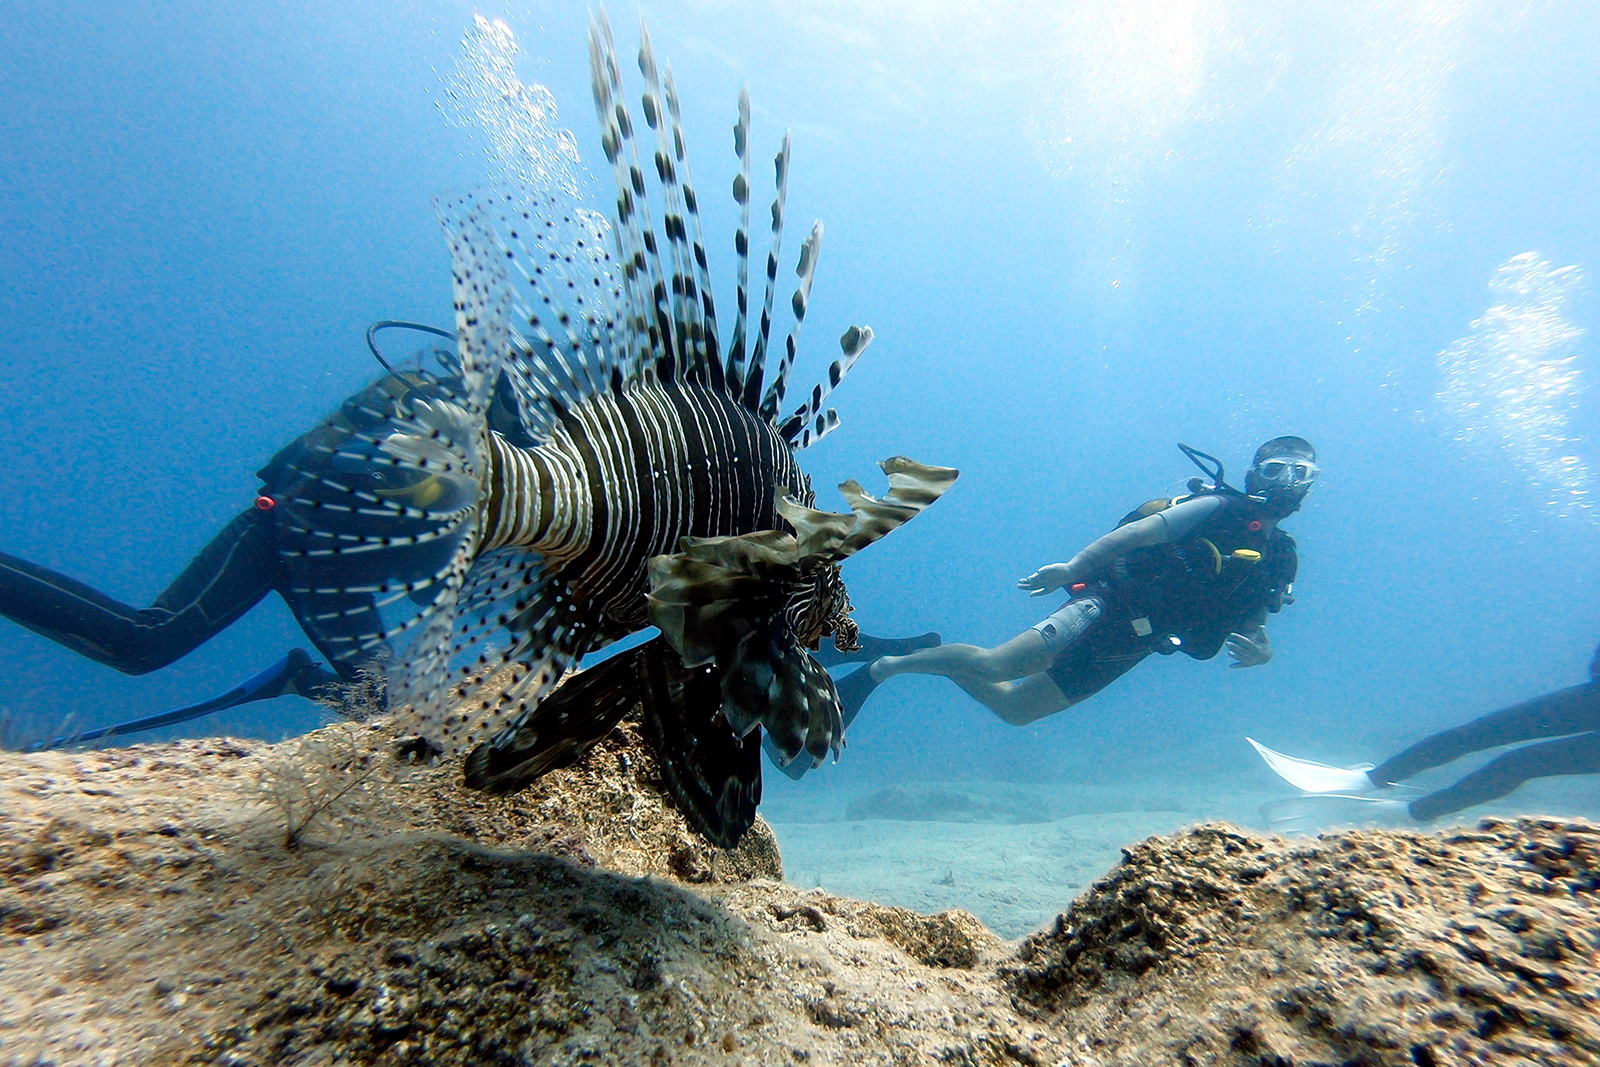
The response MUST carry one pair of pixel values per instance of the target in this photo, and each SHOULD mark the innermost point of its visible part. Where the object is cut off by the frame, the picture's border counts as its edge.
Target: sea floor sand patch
(900, 844)
(1014, 855)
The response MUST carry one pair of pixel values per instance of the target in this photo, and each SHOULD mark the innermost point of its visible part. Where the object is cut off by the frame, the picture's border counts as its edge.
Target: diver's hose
(398, 324)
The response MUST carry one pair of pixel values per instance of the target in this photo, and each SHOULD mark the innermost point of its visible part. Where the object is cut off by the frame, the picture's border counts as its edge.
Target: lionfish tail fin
(380, 509)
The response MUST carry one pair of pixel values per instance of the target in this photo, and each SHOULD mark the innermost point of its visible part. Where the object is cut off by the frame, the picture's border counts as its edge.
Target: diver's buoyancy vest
(1209, 584)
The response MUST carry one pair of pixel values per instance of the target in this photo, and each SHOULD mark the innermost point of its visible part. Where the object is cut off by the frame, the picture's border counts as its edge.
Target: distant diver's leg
(295, 673)
(227, 579)
(1030, 652)
(1566, 711)
(853, 690)
(874, 647)
(1548, 759)
(1025, 654)
(1018, 703)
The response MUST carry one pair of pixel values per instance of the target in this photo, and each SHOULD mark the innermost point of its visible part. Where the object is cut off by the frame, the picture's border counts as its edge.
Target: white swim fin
(1322, 811)
(1315, 777)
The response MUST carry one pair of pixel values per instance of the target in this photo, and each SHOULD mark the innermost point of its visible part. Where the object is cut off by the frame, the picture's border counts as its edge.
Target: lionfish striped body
(660, 488)
(628, 474)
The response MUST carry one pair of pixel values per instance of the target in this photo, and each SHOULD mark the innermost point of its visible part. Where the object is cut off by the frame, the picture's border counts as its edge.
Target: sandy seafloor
(1007, 858)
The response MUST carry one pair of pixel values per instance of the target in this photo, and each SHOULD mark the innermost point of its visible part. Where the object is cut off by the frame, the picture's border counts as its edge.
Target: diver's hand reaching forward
(1249, 651)
(1047, 579)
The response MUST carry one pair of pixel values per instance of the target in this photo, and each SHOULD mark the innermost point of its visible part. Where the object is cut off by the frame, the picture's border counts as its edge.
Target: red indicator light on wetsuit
(1078, 587)
(1255, 526)
(265, 503)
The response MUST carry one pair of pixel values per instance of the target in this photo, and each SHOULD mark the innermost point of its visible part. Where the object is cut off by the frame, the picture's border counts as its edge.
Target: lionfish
(658, 487)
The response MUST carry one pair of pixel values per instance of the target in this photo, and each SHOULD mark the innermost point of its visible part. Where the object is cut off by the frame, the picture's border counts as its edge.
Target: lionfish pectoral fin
(706, 597)
(513, 630)
(720, 602)
(912, 487)
(773, 682)
(713, 774)
(816, 532)
(380, 572)
(559, 730)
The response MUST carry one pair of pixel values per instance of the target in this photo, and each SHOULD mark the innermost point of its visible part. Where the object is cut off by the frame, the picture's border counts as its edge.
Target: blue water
(1079, 237)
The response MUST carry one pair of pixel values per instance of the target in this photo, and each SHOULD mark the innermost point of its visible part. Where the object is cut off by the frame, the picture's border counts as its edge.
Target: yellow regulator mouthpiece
(1247, 555)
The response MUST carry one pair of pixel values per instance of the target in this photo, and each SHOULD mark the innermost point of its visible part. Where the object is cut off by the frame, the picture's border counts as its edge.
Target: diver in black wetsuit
(234, 571)
(1194, 574)
(1565, 724)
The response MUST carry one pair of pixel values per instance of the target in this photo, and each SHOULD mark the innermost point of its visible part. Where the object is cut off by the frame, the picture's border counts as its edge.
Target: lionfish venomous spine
(656, 484)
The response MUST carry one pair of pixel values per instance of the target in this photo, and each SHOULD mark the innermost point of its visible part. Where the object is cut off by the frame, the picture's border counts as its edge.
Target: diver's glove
(1047, 579)
(1249, 651)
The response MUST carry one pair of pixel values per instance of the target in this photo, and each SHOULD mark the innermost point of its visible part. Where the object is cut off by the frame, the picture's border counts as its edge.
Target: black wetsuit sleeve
(227, 579)
(1173, 524)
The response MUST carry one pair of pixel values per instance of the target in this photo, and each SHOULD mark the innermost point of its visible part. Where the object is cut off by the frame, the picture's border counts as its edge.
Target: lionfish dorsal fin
(689, 327)
(741, 246)
(637, 243)
(758, 358)
(805, 270)
(809, 423)
(565, 339)
(571, 325)
(697, 240)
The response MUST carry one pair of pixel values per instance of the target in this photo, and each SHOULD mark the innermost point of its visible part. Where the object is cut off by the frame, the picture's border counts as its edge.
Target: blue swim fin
(295, 673)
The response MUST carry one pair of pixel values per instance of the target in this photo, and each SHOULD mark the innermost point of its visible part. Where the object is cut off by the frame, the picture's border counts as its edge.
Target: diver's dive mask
(1287, 471)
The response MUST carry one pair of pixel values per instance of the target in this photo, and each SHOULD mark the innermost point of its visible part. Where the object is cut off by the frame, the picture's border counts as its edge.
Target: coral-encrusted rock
(609, 809)
(1365, 947)
(232, 903)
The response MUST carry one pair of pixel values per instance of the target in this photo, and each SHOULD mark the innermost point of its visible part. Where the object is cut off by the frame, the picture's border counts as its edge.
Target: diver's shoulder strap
(1149, 508)
(1160, 504)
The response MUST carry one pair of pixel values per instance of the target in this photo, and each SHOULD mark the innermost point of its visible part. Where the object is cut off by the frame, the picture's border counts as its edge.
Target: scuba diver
(1192, 574)
(240, 565)
(248, 559)
(1570, 718)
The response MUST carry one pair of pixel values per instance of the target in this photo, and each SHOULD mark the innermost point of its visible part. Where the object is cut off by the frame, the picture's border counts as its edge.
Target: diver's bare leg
(1019, 657)
(1018, 703)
